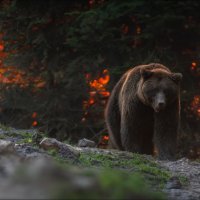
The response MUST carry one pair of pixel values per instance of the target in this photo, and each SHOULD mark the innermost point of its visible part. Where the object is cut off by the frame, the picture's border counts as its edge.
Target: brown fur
(132, 119)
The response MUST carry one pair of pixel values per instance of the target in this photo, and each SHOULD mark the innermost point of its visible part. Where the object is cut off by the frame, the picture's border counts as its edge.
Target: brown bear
(144, 109)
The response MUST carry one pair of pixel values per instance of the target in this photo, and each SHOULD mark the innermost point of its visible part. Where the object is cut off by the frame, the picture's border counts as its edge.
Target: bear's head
(158, 88)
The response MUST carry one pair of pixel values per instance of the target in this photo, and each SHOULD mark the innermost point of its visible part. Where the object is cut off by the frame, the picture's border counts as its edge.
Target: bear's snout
(160, 106)
(159, 103)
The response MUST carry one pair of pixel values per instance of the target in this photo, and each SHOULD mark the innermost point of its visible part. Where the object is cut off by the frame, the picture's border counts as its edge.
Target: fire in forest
(12, 76)
(98, 94)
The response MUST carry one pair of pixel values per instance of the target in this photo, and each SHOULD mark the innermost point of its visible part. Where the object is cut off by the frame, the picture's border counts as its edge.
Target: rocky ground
(34, 166)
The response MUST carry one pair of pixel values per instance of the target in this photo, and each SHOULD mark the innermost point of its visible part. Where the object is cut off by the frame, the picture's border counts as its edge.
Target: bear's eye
(151, 92)
(169, 91)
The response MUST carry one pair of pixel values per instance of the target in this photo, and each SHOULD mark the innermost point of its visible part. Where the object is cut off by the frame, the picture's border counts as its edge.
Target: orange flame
(1, 47)
(100, 83)
(105, 93)
(195, 105)
(35, 123)
(105, 137)
(34, 115)
(11, 75)
(97, 90)
(91, 101)
(193, 66)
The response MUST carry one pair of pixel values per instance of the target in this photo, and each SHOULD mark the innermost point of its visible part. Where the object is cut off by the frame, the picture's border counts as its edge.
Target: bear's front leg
(137, 129)
(165, 132)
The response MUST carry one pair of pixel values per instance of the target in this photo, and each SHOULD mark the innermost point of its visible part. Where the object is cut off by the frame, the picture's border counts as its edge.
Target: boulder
(86, 143)
(65, 150)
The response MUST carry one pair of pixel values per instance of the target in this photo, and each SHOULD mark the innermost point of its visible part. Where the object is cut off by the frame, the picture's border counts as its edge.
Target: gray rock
(42, 179)
(188, 169)
(86, 143)
(65, 150)
(173, 183)
(6, 147)
(28, 152)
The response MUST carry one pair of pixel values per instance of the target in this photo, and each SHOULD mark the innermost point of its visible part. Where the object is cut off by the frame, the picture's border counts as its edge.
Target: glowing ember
(105, 93)
(34, 115)
(1, 47)
(124, 28)
(103, 143)
(195, 105)
(35, 123)
(138, 30)
(193, 66)
(105, 137)
(91, 101)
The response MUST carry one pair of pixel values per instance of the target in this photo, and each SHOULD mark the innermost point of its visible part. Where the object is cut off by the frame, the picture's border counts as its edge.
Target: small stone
(49, 143)
(86, 143)
(65, 150)
(173, 183)
(6, 147)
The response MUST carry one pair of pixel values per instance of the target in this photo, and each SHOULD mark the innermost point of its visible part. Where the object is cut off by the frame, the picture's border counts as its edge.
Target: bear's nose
(161, 104)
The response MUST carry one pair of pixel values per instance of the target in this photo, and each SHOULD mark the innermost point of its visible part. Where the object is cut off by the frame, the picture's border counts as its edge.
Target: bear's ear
(176, 77)
(146, 73)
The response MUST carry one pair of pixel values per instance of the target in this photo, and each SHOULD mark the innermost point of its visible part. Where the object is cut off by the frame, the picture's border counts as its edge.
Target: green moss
(134, 163)
(183, 180)
(122, 184)
(22, 136)
(107, 184)
(5, 128)
(60, 160)
(2, 136)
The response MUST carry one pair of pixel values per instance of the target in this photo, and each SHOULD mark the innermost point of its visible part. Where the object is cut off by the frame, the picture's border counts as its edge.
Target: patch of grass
(5, 128)
(60, 160)
(134, 163)
(108, 184)
(123, 185)
(2, 136)
(183, 180)
(54, 153)
(22, 136)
